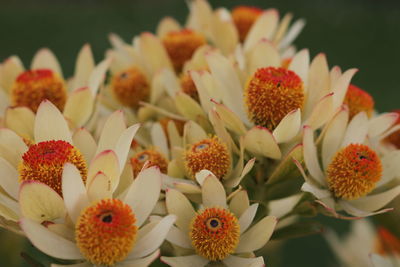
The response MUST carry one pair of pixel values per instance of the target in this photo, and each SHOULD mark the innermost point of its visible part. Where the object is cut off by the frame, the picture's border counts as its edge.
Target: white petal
(352, 210)
(230, 119)
(257, 236)
(213, 193)
(288, 128)
(21, 120)
(45, 59)
(83, 67)
(235, 261)
(50, 124)
(310, 156)
(204, 85)
(202, 175)
(99, 188)
(264, 27)
(153, 239)
(177, 237)
(321, 112)
(391, 167)
(79, 106)
(292, 33)
(261, 142)
(247, 217)
(9, 178)
(12, 147)
(180, 206)
(300, 64)
(184, 261)
(376, 201)
(340, 87)
(166, 25)
(143, 193)
(263, 54)
(84, 264)
(142, 262)
(188, 107)
(112, 130)
(193, 133)
(85, 142)
(356, 130)
(107, 163)
(49, 242)
(381, 123)
(317, 192)
(124, 143)
(159, 140)
(239, 203)
(74, 191)
(98, 75)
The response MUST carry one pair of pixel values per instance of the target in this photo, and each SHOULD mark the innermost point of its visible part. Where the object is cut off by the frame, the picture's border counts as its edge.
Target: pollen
(44, 162)
(354, 172)
(130, 86)
(208, 154)
(271, 93)
(153, 157)
(181, 45)
(33, 86)
(358, 100)
(244, 17)
(387, 243)
(188, 86)
(394, 138)
(105, 232)
(215, 233)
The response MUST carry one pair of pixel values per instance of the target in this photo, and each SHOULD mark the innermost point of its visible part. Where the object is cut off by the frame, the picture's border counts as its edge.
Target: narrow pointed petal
(142, 262)
(98, 75)
(310, 156)
(159, 139)
(124, 143)
(378, 125)
(113, 128)
(79, 106)
(45, 59)
(239, 203)
(49, 242)
(204, 85)
(261, 142)
(180, 206)
(225, 35)
(300, 64)
(83, 67)
(147, 185)
(193, 133)
(12, 147)
(230, 119)
(99, 188)
(391, 167)
(288, 128)
(377, 201)
(263, 54)
(85, 142)
(357, 130)
(321, 112)
(9, 178)
(264, 27)
(213, 193)
(179, 238)
(21, 120)
(292, 33)
(9, 71)
(317, 192)
(282, 28)
(352, 210)
(257, 236)
(106, 162)
(340, 87)
(202, 175)
(188, 107)
(235, 261)
(247, 217)
(184, 261)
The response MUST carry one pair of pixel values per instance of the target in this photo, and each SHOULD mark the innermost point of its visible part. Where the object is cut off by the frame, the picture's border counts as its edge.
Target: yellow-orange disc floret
(208, 154)
(244, 17)
(181, 45)
(215, 233)
(387, 243)
(188, 86)
(271, 93)
(358, 100)
(33, 86)
(153, 157)
(130, 86)
(354, 171)
(394, 138)
(44, 162)
(105, 232)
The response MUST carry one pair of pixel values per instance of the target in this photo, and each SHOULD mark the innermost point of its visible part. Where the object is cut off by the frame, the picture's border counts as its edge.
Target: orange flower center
(181, 45)
(208, 154)
(244, 17)
(215, 233)
(130, 87)
(358, 100)
(154, 158)
(106, 232)
(394, 138)
(271, 93)
(188, 86)
(44, 162)
(387, 243)
(354, 171)
(33, 86)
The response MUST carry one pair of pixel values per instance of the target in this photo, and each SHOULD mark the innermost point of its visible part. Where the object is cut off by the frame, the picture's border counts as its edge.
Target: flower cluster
(205, 140)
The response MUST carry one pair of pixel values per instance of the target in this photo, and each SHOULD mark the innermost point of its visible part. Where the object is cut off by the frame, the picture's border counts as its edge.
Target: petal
(21, 120)
(153, 239)
(281, 207)
(99, 188)
(321, 112)
(230, 119)
(239, 203)
(288, 128)
(374, 202)
(205, 86)
(224, 34)
(83, 67)
(257, 236)
(40, 203)
(45, 59)
(310, 156)
(235, 261)
(263, 54)
(300, 64)
(158, 138)
(391, 167)
(9, 71)
(142, 262)
(184, 261)
(213, 193)
(193, 133)
(166, 25)
(292, 33)
(98, 75)
(85, 142)
(261, 142)
(264, 27)
(179, 238)
(50, 124)
(107, 163)
(180, 206)
(188, 107)
(247, 217)
(317, 192)
(9, 178)
(111, 132)
(74, 191)
(339, 88)
(83, 264)
(79, 106)
(49, 242)
(143, 193)
(357, 130)
(12, 147)
(378, 125)
(124, 143)
(352, 210)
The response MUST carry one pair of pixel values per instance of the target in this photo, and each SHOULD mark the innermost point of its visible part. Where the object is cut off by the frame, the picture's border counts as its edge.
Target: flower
(106, 230)
(217, 231)
(355, 177)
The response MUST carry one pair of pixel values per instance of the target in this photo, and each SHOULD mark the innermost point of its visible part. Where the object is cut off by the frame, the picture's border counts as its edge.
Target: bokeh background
(353, 33)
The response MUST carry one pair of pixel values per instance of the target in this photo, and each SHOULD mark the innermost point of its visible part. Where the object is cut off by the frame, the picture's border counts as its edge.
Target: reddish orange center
(153, 157)
(358, 100)
(394, 138)
(244, 17)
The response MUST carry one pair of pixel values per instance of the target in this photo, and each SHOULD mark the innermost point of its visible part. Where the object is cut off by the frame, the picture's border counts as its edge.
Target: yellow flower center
(354, 171)
(181, 45)
(44, 162)
(244, 17)
(106, 232)
(33, 86)
(358, 100)
(154, 158)
(188, 86)
(394, 138)
(130, 87)
(271, 93)
(208, 154)
(215, 233)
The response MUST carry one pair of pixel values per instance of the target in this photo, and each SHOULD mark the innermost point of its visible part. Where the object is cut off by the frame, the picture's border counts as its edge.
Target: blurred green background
(353, 33)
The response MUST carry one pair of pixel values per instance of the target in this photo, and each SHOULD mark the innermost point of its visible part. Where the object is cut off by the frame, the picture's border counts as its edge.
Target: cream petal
(159, 139)
(184, 261)
(263, 54)
(310, 156)
(357, 130)
(9, 208)
(339, 88)
(187, 188)
(123, 145)
(62, 230)
(257, 236)
(391, 167)
(79, 106)
(247, 217)
(40, 203)
(288, 128)
(98, 75)
(179, 238)
(143, 193)
(45, 59)
(213, 193)
(260, 141)
(193, 133)
(378, 125)
(9, 71)
(106, 162)
(85, 142)
(180, 206)
(300, 65)
(142, 262)
(335, 74)
(321, 112)
(12, 147)
(74, 192)
(9, 178)
(166, 81)
(99, 188)
(235, 181)
(166, 25)
(202, 175)
(153, 239)
(49, 242)
(111, 132)
(83, 264)
(225, 35)
(292, 33)
(188, 107)
(200, 17)
(83, 67)
(352, 210)
(21, 120)
(239, 203)
(317, 192)
(175, 140)
(50, 124)
(235, 261)
(230, 119)
(382, 261)
(264, 27)
(373, 202)
(281, 207)
(204, 84)
(283, 26)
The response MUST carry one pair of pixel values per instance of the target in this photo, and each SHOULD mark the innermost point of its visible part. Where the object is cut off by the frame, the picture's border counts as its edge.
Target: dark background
(353, 33)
